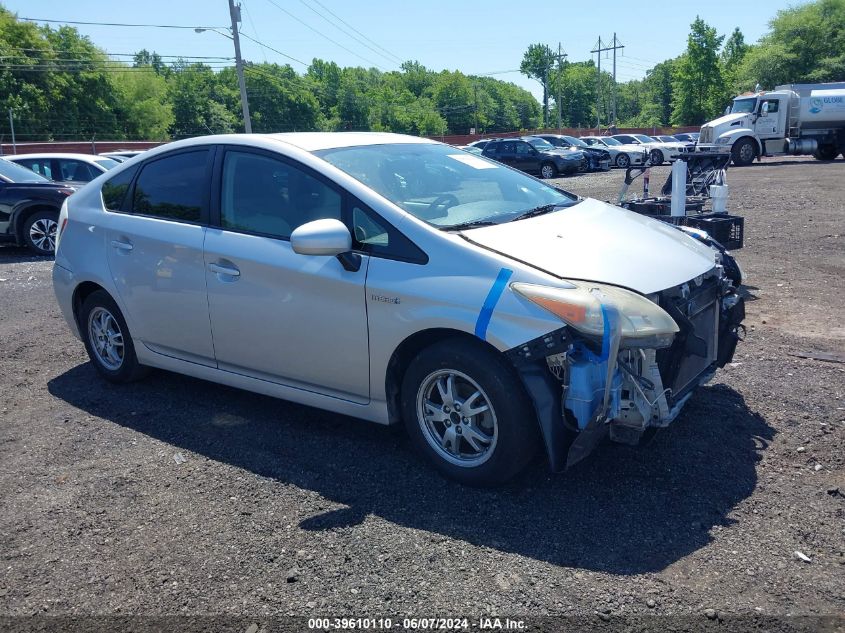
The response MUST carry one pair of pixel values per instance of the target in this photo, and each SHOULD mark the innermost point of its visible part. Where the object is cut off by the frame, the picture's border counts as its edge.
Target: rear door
(154, 240)
(298, 320)
(526, 157)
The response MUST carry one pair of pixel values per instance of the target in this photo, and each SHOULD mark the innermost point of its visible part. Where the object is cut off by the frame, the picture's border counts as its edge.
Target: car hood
(727, 119)
(599, 242)
(564, 153)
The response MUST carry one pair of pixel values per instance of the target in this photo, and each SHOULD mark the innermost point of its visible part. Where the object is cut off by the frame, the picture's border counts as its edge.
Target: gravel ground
(176, 496)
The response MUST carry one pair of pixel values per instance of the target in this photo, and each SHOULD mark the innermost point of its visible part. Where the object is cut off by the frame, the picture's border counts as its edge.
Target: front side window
(626, 139)
(173, 188)
(77, 170)
(523, 149)
(263, 195)
(444, 186)
(773, 105)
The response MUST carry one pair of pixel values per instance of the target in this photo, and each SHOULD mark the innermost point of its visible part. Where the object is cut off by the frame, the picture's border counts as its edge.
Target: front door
(154, 243)
(298, 320)
(769, 122)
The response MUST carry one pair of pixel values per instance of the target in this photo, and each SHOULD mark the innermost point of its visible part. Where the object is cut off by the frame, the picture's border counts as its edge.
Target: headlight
(723, 141)
(583, 307)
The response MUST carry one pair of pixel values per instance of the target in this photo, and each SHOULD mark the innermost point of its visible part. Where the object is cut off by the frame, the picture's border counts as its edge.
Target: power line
(153, 26)
(329, 11)
(270, 48)
(324, 36)
(391, 58)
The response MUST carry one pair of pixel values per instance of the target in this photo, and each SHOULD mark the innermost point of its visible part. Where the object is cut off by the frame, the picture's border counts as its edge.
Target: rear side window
(40, 167)
(173, 188)
(115, 188)
(76, 170)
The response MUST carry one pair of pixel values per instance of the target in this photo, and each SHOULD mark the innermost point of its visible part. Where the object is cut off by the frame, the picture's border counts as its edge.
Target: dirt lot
(281, 509)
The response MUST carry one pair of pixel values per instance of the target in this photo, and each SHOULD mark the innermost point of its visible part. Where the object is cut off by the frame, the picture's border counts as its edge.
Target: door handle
(122, 246)
(224, 270)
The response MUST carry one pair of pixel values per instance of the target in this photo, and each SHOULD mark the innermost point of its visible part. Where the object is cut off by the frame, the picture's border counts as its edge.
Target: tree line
(61, 86)
(804, 44)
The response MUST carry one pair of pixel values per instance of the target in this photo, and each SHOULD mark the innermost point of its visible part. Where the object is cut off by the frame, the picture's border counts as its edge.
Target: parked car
(29, 208)
(59, 167)
(547, 162)
(479, 144)
(621, 155)
(687, 137)
(599, 158)
(330, 269)
(122, 155)
(658, 151)
(672, 140)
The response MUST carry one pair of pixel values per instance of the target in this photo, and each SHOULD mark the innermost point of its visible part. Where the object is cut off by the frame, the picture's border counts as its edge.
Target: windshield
(540, 143)
(575, 141)
(15, 173)
(642, 138)
(744, 105)
(609, 141)
(107, 163)
(444, 186)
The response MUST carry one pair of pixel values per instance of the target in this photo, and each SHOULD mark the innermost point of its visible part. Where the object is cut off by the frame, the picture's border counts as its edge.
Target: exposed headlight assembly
(588, 307)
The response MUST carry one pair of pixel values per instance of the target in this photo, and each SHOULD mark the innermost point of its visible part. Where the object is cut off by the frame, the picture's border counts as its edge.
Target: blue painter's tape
(490, 303)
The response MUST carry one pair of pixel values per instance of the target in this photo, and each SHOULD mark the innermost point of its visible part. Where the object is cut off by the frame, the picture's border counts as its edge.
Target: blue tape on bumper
(490, 303)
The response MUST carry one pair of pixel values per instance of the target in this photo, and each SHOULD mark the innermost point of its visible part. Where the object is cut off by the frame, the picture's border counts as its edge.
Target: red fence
(76, 147)
(97, 147)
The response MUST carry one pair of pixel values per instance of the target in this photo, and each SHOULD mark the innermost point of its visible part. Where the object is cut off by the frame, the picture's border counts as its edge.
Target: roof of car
(85, 157)
(313, 141)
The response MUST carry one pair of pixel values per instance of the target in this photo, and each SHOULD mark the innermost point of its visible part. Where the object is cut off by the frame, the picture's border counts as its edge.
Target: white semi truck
(791, 119)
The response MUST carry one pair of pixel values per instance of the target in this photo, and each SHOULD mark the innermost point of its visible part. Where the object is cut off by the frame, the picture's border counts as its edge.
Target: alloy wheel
(106, 338)
(42, 233)
(457, 418)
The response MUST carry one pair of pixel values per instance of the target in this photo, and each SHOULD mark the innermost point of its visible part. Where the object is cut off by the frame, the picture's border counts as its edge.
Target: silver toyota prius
(396, 279)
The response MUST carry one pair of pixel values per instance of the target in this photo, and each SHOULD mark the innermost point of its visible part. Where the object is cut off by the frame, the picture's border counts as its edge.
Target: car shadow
(623, 511)
(13, 254)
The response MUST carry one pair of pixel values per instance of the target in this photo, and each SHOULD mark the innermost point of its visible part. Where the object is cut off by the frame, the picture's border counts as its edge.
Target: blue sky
(473, 36)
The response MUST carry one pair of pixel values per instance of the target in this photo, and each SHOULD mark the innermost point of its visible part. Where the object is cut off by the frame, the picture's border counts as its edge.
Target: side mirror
(321, 237)
(764, 109)
(327, 237)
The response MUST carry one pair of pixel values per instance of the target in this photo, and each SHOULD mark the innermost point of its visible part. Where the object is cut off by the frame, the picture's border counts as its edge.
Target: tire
(826, 152)
(656, 157)
(102, 325)
(744, 152)
(486, 448)
(548, 170)
(622, 161)
(39, 232)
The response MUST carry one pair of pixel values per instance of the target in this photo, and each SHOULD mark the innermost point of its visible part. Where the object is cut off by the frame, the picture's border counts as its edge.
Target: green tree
(143, 104)
(697, 81)
(804, 44)
(537, 63)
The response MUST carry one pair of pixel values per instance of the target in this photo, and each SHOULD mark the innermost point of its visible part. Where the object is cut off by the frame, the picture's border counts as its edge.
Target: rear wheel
(107, 339)
(467, 412)
(826, 152)
(39, 232)
(744, 151)
(623, 160)
(548, 170)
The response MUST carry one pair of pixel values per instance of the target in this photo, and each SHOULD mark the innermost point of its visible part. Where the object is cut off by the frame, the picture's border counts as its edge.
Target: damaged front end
(624, 364)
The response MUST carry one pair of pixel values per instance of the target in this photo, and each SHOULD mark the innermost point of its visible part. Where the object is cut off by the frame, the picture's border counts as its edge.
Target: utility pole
(614, 45)
(560, 56)
(12, 125)
(235, 14)
(475, 88)
(599, 50)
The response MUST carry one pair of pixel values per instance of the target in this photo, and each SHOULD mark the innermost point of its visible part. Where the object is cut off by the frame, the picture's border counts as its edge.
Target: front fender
(734, 135)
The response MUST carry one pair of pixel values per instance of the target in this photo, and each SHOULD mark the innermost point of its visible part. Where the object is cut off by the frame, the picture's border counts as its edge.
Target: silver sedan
(398, 280)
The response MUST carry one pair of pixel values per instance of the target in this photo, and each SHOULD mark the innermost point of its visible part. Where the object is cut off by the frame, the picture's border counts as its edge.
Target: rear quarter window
(115, 188)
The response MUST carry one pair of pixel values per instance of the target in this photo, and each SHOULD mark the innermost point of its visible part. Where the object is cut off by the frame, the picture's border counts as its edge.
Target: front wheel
(744, 152)
(547, 170)
(39, 232)
(107, 339)
(466, 410)
(656, 157)
(623, 160)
